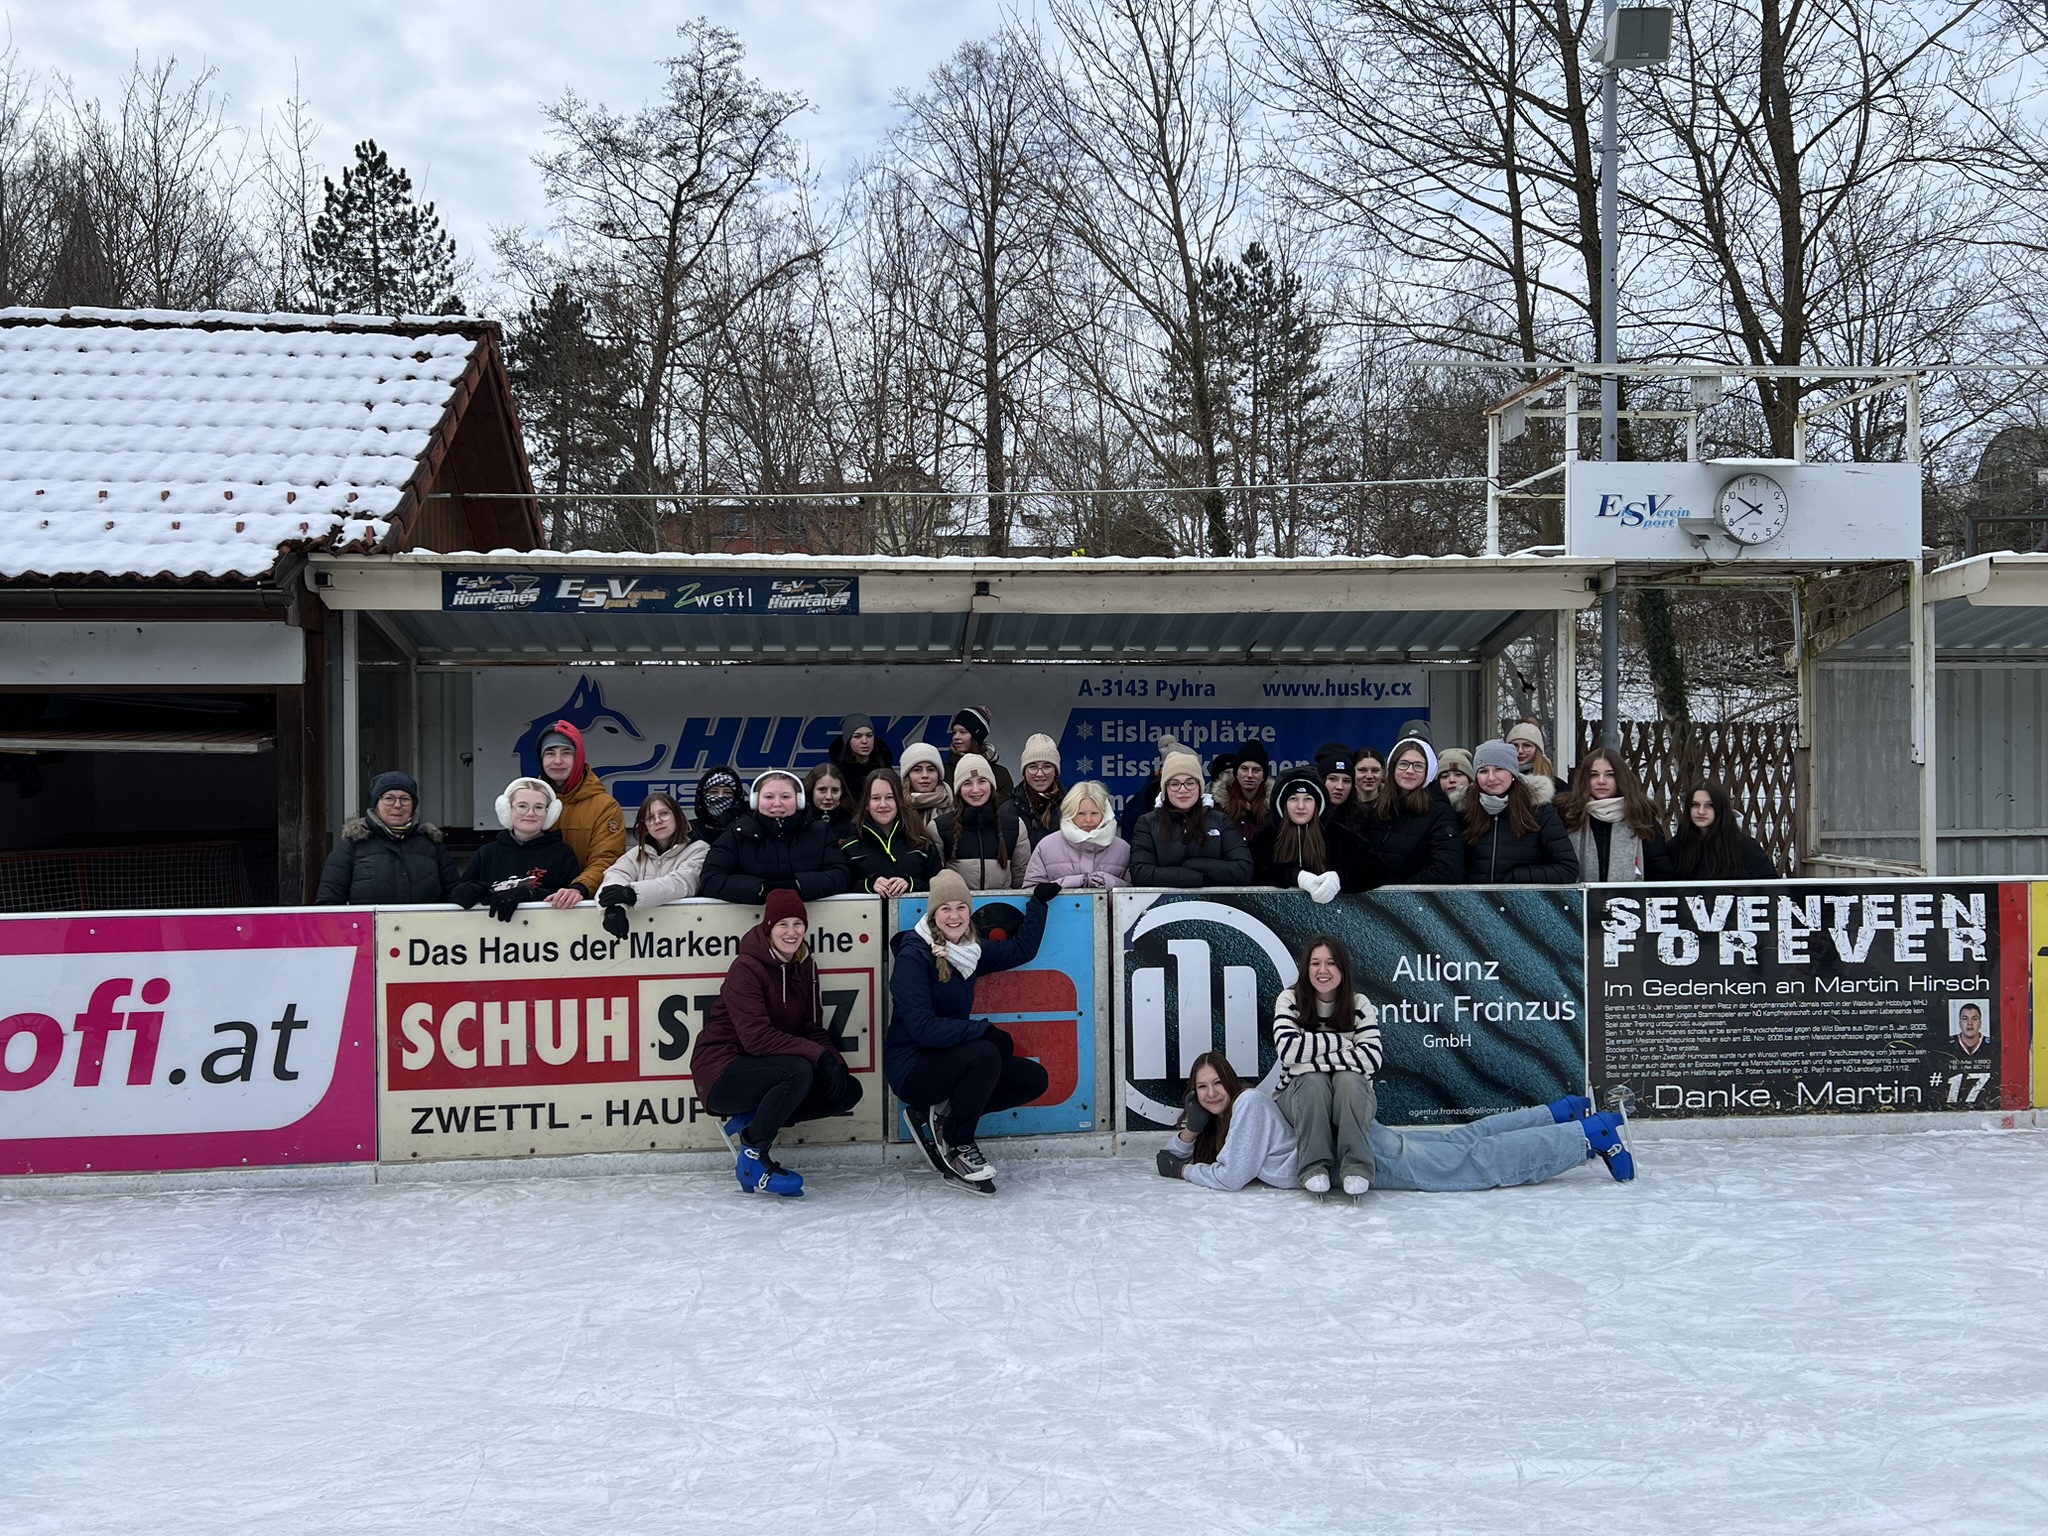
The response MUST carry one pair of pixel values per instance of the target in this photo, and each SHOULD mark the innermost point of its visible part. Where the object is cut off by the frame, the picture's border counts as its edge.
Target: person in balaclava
(591, 822)
(720, 797)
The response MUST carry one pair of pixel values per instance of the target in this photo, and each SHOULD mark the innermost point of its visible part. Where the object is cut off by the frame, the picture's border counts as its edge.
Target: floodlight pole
(1610, 386)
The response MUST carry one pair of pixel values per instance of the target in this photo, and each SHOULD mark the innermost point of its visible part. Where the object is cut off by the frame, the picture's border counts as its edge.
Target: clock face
(1753, 508)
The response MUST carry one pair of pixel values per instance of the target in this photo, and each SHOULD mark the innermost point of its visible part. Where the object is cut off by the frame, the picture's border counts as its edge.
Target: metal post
(1610, 386)
(1920, 653)
(1493, 485)
(1567, 705)
(351, 714)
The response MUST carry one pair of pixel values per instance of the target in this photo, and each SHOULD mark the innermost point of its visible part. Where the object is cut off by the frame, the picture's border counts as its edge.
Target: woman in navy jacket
(936, 1054)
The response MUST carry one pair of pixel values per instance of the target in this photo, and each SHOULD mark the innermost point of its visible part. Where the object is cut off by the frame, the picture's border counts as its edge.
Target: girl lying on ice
(1233, 1134)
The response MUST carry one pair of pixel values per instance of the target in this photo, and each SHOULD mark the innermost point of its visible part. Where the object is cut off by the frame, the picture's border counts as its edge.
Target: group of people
(1353, 819)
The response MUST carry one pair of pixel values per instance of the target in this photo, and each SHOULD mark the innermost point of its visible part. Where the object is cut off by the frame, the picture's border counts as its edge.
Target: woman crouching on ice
(948, 1067)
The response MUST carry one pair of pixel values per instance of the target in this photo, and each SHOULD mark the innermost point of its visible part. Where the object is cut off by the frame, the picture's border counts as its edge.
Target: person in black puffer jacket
(858, 750)
(1183, 842)
(1413, 829)
(388, 857)
(1512, 834)
(892, 851)
(1302, 847)
(983, 840)
(775, 846)
(720, 799)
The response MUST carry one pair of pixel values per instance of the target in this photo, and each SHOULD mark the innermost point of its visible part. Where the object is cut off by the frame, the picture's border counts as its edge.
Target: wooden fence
(1752, 759)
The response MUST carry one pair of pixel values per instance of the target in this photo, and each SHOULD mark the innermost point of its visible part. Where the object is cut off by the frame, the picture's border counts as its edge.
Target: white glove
(1326, 887)
(1308, 881)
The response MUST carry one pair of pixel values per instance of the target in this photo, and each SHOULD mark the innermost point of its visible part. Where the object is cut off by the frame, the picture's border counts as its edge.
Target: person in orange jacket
(592, 824)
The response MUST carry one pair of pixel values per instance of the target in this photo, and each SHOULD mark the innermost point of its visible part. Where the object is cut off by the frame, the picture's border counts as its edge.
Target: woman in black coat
(1711, 844)
(774, 846)
(1183, 842)
(388, 857)
(858, 750)
(1413, 831)
(1513, 835)
(892, 851)
(1303, 847)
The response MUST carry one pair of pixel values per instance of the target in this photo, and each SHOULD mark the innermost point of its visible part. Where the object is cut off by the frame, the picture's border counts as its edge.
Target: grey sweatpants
(1523, 1146)
(1331, 1113)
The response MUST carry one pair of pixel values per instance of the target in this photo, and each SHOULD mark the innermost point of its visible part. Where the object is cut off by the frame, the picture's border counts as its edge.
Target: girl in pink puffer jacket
(1085, 854)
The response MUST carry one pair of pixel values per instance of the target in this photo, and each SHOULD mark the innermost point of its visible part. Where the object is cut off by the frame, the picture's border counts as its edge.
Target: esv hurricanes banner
(659, 728)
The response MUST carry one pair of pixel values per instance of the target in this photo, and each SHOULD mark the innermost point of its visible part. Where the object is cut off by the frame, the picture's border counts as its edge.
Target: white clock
(1752, 508)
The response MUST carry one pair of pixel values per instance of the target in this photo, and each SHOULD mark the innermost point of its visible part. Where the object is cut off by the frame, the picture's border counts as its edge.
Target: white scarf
(1608, 811)
(1101, 837)
(962, 957)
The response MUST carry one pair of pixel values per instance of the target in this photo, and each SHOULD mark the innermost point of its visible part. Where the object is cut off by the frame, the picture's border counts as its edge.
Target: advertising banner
(1810, 997)
(1048, 1008)
(659, 728)
(187, 1040)
(548, 1035)
(1481, 992)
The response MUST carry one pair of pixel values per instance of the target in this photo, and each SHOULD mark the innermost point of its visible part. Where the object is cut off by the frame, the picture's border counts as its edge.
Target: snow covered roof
(203, 445)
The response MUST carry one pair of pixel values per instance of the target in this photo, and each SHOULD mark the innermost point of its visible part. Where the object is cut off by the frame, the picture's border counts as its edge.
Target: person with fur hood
(858, 750)
(1246, 795)
(774, 846)
(527, 861)
(764, 1058)
(970, 739)
(924, 780)
(948, 1067)
(1613, 826)
(1183, 841)
(591, 821)
(1512, 832)
(1411, 828)
(388, 856)
(1304, 847)
(1085, 854)
(982, 840)
(721, 796)
(664, 864)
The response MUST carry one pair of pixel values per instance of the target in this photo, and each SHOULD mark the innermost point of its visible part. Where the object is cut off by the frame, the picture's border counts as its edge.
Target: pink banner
(187, 1040)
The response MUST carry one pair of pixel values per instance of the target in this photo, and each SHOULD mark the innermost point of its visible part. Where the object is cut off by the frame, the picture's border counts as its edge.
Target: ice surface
(1828, 1334)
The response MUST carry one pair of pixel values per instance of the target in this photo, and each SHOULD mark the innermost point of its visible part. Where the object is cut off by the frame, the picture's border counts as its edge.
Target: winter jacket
(838, 822)
(1756, 863)
(1161, 856)
(973, 839)
(876, 853)
(373, 865)
(758, 854)
(591, 821)
(659, 877)
(1261, 1146)
(1256, 817)
(766, 1006)
(927, 1014)
(1343, 1044)
(1503, 856)
(1005, 785)
(1038, 822)
(1356, 865)
(1419, 850)
(1628, 856)
(1072, 864)
(547, 861)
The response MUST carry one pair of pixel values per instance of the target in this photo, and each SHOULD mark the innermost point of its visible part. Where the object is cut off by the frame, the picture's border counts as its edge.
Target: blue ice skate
(760, 1174)
(1603, 1137)
(1570, 1107)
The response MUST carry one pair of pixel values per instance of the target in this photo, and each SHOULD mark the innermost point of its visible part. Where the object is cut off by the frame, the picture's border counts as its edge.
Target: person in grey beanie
(858, 750)
(388, 856)
(1513, 835)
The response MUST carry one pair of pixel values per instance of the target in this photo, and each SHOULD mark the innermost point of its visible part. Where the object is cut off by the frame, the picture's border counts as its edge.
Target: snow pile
(1840, 1334)
(175, 450)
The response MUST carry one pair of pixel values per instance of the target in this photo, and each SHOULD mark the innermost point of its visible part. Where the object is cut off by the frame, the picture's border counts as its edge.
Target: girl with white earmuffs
(774, 846)
(527, 861)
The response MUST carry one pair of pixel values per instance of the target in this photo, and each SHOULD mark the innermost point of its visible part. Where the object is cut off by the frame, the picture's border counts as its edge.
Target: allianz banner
(548, 1035)
(1803, 997)
(1480, 991)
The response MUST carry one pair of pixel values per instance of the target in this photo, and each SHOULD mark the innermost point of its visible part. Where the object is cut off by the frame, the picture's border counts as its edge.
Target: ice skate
(1356, 1185)
(1317, 1183)
(922, 1125)
(966, 1162)
(733, 1129)
(1603, 1137)
(760, 1174)
(1571, 1107)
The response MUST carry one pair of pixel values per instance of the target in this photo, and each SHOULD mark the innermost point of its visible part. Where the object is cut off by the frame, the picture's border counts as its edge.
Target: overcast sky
(451, 88)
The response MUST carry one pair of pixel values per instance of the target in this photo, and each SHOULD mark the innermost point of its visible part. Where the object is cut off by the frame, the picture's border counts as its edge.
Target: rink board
(1051, 1008)
(1480, 991)
(547, 1035)
(187, 1040)
(1811, 997)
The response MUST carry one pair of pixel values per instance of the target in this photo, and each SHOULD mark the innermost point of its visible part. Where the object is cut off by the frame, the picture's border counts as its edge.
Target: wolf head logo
(605, 731)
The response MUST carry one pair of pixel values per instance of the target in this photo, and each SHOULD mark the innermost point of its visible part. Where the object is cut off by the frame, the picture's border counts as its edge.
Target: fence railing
(1752, 759)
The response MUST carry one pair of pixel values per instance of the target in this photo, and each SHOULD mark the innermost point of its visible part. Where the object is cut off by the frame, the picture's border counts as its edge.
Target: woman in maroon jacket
(764, 1057)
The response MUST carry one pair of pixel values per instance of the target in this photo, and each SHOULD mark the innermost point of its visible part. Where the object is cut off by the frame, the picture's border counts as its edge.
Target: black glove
(468, 893)
(616, 923)
(1168, 1165)
(1045, 890)
(1194, 1117)
(831, 1070)
(1000, 1039)
(616, 896)
(505, 898)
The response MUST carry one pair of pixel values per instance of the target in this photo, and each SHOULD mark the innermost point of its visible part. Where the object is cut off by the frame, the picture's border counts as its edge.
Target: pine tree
(377, 252)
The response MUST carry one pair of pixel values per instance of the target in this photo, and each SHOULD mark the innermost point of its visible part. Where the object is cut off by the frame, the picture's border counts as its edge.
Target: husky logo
(1188, 951)
(604, 729)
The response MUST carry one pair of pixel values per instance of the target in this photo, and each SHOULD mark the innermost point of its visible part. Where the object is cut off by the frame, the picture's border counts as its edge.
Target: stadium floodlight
(1638, 37)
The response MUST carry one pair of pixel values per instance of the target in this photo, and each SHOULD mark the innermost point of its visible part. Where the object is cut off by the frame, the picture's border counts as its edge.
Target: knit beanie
(1299, 783)
(947, 887)
(1178, 763)
(554, 738)
(972, 765)
(1040, 749)
(1496, 754)
(391, 779)
(1454, 757)
(1253, 751)
(1528, 731)
(972, 720)
(1334, 757)
(921, 752)
(848, 724)
(783, 904)
(1414, 730)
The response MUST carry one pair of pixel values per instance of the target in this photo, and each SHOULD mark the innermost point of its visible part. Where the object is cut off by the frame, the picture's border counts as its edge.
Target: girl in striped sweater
(1328, 1039)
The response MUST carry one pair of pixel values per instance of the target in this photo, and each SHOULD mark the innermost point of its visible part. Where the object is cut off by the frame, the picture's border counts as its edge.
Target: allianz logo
(1198, 981)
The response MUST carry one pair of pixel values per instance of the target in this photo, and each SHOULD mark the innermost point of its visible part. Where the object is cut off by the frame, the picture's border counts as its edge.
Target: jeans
(1331, 1113)
(977, 1078)
(1523, 1146)
(777, 1090)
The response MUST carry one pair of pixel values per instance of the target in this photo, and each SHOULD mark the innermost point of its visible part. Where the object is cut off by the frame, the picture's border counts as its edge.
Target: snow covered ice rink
(1842, 1333)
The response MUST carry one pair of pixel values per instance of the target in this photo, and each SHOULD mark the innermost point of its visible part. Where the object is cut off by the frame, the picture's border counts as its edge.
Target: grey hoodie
(1260, 1146)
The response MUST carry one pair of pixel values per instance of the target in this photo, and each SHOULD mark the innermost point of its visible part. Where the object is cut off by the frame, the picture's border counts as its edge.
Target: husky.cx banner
(549, 1035)
(1810, 998)
(659, 728)
(190, 1040)
(1481, 992)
